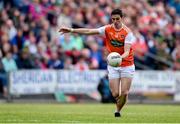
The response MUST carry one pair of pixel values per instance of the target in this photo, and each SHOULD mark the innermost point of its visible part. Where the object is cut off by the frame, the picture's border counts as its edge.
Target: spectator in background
(30, 43)
(9, 63)
(41, 63)
(24, 61)
(3, 80)
(37, 10)
(92, 62)
(74, 54)
(103, 63)
(11, 29)
(18, 41)
(81, 64)
(163, 52)
(4, 44)
(96, 54)
(45, 28)
(67, 43)
(68, 65)
(77, 42)
(64, 19)
(175, 4)
(42, 45)
(140, 48)
(176, 56)
(55, 62)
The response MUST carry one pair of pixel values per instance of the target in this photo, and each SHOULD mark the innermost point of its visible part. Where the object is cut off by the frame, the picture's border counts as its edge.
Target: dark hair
(117, 12)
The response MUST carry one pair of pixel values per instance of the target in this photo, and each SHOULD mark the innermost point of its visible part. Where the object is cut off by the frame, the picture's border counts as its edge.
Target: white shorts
(118, 72)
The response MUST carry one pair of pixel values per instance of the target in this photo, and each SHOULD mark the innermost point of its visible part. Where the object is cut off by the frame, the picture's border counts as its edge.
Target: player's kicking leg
(123, 91)
(127, 74)
(114, 86)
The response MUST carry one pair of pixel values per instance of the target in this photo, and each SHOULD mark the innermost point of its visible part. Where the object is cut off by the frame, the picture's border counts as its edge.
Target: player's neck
(118, 27)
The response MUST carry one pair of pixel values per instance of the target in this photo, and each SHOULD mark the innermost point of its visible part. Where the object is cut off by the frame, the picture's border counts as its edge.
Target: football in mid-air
(114, 59)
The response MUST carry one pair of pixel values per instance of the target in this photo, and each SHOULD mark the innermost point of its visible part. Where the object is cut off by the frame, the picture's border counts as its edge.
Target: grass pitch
(87, 113)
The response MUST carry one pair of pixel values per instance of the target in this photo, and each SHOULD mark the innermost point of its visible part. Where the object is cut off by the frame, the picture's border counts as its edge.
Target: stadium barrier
(145, 83)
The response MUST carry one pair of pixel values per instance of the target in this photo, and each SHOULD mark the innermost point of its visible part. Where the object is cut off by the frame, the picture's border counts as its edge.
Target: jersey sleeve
(129, 38)
(102, 30)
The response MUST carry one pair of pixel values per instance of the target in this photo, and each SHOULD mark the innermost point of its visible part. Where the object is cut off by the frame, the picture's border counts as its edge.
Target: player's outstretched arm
(85, 31)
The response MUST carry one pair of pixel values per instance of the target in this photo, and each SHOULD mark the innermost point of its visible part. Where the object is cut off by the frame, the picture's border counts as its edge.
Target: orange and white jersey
(116, 39)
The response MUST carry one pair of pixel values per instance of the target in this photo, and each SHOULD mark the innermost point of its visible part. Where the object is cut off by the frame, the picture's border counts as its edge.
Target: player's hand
(65, 30)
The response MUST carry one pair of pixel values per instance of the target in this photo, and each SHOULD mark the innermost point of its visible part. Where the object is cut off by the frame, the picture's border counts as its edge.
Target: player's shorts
(118, 72)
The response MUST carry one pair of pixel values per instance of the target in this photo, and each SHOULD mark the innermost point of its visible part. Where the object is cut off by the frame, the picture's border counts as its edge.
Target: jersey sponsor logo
(117, 43)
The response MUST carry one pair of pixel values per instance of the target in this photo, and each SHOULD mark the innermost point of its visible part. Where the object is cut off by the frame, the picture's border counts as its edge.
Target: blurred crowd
(29, 37)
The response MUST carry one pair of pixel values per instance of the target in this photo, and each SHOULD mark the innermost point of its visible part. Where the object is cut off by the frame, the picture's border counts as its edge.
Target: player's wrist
(71, 30)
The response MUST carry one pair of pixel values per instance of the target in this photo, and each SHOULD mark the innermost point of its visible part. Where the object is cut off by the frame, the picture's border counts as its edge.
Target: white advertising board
(33, 82)
(85, 82)
(177, 92)
(154, 81)
(79, 81)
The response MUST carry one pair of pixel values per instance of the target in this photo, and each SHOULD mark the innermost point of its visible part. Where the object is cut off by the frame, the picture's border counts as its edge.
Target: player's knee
(116, 98)
(115, 94)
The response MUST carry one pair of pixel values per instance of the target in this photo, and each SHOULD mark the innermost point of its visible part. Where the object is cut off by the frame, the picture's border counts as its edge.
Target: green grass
(87, 113)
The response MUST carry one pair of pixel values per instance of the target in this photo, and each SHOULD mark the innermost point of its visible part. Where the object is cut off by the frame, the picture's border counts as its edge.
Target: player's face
(116, 20)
